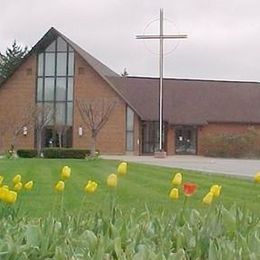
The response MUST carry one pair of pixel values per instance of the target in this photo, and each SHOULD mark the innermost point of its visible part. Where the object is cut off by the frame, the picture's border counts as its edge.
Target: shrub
(27, 153)
(243, 145)
(65, 153)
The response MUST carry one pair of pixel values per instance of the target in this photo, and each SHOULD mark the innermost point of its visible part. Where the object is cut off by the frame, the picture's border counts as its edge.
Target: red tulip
(189, 189)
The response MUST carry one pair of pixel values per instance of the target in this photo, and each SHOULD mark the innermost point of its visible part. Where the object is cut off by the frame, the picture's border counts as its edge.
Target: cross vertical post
(161, 37)
(161, 83)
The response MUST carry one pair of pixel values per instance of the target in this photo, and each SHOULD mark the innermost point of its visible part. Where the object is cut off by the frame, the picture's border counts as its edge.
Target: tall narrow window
(129, 129)
(55, 88)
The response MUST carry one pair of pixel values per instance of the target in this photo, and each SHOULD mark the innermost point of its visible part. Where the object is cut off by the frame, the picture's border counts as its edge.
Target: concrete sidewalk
(233, 167)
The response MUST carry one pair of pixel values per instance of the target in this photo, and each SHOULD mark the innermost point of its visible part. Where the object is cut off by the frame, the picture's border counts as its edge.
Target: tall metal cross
(161, 37)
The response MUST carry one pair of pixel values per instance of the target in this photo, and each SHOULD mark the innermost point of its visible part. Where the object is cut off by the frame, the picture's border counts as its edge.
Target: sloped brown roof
(193, 102)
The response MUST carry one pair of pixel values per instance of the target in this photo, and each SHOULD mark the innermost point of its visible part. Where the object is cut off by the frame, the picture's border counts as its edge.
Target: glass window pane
(70, 49)
(71, 64)
(49, 89)
(51, 47)
(48, 113)
(129, 119)
(70, 89)
(39, 89)
(129, 141)
(69, 113)
(60, 113)
(61, 64)
(49, 64)
(61, 89)
(40, 64)
(62, 45)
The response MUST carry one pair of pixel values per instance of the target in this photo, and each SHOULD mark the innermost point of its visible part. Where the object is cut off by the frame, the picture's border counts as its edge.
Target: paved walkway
(233, 167)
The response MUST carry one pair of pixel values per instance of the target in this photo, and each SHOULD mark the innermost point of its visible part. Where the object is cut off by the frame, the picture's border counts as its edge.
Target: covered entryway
(186, 140)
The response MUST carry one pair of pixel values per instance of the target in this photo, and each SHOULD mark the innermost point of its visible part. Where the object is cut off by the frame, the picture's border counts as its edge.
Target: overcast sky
(223, 36)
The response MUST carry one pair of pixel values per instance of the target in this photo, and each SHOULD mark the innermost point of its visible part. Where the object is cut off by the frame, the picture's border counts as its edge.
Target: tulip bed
(139, 217)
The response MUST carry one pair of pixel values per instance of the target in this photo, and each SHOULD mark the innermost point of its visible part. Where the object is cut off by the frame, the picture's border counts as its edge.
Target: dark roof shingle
(193, 102)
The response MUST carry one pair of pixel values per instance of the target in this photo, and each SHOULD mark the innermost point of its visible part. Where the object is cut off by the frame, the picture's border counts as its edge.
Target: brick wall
(89, 85)
(16, 95)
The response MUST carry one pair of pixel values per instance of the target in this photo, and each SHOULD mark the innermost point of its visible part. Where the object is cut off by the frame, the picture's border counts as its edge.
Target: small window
(61, 89)
(51, 47)
(61, 64)
(70, 89)
(80, 70)
(49, 64)
(61, 45)
(129, 141)
(60, 113)
(130, 119)
(69, 113)
(71, 64)
(49, 89)
(39, 89)
(40, 64)
(29, 72)
(48, 110)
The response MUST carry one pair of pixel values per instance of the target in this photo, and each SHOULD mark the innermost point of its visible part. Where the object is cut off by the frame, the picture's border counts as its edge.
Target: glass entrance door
(186, 140)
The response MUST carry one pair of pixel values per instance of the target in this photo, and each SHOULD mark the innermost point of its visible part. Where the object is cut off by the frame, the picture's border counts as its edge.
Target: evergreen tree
(11, 59)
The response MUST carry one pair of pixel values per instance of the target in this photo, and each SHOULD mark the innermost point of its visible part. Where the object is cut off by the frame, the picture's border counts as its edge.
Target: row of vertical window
(55, 81)
(62, 92)
(63, 112)
(65, 61)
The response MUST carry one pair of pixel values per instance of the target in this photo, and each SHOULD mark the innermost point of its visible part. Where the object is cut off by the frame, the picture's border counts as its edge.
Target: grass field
(142, 186)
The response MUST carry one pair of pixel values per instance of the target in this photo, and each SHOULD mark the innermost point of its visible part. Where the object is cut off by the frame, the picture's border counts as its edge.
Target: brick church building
(56, 72)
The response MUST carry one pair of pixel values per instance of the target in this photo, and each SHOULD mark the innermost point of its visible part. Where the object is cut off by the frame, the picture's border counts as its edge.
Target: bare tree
(95, 114)
(61, 130)
(41, 116)
(18, 127)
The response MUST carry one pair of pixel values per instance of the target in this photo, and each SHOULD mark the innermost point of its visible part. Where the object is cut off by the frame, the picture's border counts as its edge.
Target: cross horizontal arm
(169, 36)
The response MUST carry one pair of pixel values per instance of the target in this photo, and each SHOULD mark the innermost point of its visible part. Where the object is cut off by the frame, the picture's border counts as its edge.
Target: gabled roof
(193, 102)
(51, 35)
(186, 101)
(98, 66)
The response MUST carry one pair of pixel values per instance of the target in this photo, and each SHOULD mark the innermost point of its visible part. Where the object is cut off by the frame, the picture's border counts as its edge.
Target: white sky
(223, 36)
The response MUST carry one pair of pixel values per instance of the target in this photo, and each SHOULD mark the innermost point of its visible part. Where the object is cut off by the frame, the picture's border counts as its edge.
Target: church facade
(56, 73)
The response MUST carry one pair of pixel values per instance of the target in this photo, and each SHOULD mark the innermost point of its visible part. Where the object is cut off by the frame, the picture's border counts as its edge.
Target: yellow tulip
(90, 187)
(1, 180)
(17, 178)
(60, 186)
(122, 168)
(177, 180)
(5, 187)
(112, 180)
(65, 172)
(174, 194)
(208, 198)
(257, 177)
(3, 192)
(215, 189)
(28, 185)
(10, 197)
(18, 186)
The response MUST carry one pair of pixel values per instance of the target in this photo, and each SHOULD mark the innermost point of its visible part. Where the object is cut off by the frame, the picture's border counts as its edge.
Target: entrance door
(186, 140)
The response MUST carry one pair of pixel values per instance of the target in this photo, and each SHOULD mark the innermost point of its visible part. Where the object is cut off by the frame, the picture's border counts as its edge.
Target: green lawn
(143, 185)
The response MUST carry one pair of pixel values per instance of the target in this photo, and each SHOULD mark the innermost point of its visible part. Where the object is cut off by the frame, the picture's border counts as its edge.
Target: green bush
(27, 153)
(63, 153)
(227, 145)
